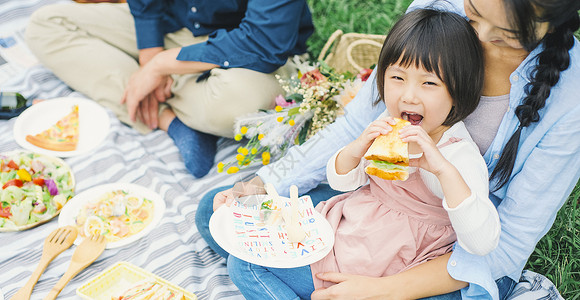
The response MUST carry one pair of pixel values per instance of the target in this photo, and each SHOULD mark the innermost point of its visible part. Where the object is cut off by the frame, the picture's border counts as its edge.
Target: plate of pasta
(122, 212)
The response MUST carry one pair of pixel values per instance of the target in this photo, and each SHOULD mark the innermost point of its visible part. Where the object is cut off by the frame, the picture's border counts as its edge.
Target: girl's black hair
(440, 42)
(562, 15)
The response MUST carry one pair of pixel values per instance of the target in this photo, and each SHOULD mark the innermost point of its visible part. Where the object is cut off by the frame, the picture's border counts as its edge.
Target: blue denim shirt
(546, 169)
(252, 34)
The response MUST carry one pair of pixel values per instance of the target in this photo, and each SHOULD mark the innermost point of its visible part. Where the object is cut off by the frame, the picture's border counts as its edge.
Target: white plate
(70, 211)
(57, 161)
(94, 124)
(221, 227)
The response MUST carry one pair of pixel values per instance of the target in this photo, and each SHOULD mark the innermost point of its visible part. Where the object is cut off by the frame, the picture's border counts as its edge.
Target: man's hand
(141, 85)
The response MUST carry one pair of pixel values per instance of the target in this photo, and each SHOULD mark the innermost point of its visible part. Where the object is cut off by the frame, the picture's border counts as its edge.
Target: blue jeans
(268, 278)
(257, 282)
(322, 192)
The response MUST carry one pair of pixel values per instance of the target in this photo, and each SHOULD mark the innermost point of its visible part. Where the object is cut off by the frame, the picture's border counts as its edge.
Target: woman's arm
(424, 280)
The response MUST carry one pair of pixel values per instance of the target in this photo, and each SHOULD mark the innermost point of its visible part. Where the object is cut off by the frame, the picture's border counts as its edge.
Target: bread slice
(401, 174)
(389, 155)
(390, 147)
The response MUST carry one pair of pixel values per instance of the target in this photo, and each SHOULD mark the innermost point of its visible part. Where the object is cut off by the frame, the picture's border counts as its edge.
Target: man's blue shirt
(254, 34)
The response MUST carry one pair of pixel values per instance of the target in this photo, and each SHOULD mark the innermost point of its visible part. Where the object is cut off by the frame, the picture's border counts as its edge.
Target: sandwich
(389, 155)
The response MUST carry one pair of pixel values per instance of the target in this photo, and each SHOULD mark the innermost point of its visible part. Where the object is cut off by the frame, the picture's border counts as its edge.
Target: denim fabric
(202, 216)
(258, 282)
(198, 149)
(504, 284)
(205, 210)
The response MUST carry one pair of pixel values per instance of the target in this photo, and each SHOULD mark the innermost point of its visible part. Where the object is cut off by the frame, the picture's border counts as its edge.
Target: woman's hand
(240, 189)
(432, 160)
(353, 287)
(224, 197)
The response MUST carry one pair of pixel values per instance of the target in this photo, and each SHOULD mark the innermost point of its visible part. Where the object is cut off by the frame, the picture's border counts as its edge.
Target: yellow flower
(280, 119)
(220, 167)
(239, 157)
(278, 108)
(265, 162)
(238, 137)
(265, 155)
(291, 122)
(254, 151)
(232, 170)
(244, 151)
(244, 130)
(260, 136)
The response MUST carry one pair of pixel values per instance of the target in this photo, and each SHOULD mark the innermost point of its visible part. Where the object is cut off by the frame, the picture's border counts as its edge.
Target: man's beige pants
(93, 49)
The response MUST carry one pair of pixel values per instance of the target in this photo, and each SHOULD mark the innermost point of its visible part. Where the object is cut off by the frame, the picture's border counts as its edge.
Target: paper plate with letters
(240, 230)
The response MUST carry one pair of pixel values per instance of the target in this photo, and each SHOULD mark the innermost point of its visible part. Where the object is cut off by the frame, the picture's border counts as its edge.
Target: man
(184, 66)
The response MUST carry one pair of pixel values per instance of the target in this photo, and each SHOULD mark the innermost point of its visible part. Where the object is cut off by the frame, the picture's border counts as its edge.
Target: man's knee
(240, 92)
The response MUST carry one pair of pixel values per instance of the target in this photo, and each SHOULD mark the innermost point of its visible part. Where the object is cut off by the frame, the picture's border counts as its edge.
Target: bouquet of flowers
(313, 98)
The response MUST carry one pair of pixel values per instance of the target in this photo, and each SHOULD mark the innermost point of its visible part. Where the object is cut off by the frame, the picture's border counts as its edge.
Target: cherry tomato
(38, 181)
(14, 182)
(12, 165)
(5, 211)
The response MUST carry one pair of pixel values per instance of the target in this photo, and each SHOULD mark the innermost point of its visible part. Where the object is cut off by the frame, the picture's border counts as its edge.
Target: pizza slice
(62, 136)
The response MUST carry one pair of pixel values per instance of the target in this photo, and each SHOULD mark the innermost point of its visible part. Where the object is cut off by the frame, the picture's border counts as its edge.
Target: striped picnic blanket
(174, 250)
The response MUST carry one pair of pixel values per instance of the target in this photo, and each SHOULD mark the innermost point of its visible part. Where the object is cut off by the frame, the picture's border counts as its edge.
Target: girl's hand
(351, 155)
(432, 160)
(381, 126)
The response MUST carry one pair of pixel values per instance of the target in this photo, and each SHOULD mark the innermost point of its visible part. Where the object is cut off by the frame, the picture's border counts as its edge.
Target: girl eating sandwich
(430, 74)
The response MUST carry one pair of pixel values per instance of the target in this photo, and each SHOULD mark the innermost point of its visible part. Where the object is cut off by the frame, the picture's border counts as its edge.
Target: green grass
(362, 16)
(557, 255)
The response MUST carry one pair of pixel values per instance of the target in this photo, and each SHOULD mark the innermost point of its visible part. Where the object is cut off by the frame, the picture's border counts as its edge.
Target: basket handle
(356, 43)
(329, 43)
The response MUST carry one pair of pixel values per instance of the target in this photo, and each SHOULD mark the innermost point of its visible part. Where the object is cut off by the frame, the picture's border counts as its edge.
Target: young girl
(430, 72)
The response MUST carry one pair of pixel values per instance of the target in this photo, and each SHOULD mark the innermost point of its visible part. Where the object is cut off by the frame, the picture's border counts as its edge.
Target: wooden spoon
(58, 241)
(87, 252)
(295, 231)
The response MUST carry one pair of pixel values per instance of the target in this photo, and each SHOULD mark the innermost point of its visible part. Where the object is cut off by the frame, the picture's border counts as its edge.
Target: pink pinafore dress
(384, 228)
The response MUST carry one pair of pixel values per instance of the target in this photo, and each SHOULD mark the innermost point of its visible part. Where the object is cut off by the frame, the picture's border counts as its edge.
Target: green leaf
(294, 111)
(304, 133)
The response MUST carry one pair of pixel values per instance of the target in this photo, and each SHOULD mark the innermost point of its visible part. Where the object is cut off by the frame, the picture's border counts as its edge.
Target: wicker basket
(351, 51)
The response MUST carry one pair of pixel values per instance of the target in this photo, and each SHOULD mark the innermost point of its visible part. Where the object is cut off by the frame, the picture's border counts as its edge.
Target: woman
(526, 126)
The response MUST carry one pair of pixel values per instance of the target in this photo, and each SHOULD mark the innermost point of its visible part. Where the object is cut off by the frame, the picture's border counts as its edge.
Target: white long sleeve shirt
(475, 220)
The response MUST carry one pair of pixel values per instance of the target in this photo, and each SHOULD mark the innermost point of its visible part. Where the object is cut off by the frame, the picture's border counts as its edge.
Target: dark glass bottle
(11, 104)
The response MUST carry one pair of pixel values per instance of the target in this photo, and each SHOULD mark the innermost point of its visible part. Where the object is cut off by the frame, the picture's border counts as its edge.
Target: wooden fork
(87, 252)
(58, 241)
